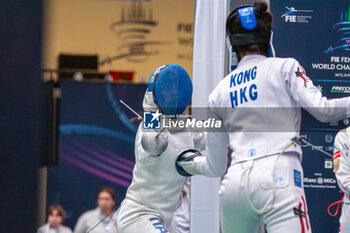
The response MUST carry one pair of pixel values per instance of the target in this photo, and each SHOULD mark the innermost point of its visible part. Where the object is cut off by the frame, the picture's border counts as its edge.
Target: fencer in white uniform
(341, 162)
(260, 104)
(155, 191)
(181, 220)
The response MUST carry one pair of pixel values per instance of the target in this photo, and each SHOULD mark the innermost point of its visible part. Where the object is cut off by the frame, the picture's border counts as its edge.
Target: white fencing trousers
(289, 213)
(345, 218)
(134, 218)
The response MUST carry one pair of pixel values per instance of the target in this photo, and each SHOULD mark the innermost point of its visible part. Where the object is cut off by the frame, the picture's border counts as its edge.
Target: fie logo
(151, 120)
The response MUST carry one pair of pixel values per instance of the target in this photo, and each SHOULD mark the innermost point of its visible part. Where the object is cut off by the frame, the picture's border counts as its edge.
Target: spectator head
(56, 216)
(106, 200)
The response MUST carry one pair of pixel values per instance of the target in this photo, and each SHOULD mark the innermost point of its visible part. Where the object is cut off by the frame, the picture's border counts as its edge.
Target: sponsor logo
(319, 180)
(317, 148)
(192, 123)
(336, 154)
(340, 89)
(151, 120)
(336, 164)
(328, 138)
(328, 164)
(280, 182)
(297, 178)
(252, 153)
(293, 15)
(313, 89)
(336, 161)
(301, 74)
(333, 123)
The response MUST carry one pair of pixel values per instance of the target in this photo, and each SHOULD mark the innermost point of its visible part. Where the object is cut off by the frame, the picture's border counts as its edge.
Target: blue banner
(96, 144)
(317, 34)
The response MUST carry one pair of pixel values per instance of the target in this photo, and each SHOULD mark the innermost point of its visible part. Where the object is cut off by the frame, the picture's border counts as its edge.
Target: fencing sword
(301, 141)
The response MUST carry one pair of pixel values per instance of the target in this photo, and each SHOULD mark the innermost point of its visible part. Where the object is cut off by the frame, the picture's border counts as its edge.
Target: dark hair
(60, 211)
(108, 190)
(264, 19)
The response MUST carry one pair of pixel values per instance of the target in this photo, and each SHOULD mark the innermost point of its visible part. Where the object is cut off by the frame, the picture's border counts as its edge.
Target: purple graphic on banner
(96, 144)
(94, 171)
(95, 161)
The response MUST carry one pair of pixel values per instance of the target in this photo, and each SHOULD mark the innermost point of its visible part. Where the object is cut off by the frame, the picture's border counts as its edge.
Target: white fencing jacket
(341, 161)
(260, 105)
(156, 185)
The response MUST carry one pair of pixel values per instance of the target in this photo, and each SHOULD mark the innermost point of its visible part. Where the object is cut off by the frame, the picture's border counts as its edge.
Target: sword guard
(300, 140)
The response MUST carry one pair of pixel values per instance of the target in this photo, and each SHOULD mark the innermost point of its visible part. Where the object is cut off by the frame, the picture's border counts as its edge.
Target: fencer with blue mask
(264, 181)
(156, 187)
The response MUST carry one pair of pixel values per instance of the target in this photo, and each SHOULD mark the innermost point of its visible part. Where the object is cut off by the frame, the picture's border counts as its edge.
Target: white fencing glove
(187, 163)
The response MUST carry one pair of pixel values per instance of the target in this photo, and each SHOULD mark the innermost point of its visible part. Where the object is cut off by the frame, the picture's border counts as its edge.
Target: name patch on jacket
(243, 94)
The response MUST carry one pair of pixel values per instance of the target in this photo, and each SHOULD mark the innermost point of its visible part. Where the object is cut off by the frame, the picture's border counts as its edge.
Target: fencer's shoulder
(287, 64)
(343, 132)
(342, 135)
(284, 59)
(215, 94)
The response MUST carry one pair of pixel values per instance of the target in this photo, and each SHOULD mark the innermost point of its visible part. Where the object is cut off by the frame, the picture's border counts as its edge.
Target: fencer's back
(255, 104)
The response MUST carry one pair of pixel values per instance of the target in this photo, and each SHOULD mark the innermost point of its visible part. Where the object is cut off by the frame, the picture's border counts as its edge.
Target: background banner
(96, 144)
(317, 35)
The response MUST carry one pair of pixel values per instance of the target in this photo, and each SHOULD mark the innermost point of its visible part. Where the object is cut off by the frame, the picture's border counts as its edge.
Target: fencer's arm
(303, 91)
(214, 161)
(200, 140)
(342, 160)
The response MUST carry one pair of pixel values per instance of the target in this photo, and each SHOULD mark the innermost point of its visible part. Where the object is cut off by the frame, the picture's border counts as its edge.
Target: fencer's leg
(144, 224)
(236, 217)
(234, 220)
(289, 216)
(290, 212)
(345, 218)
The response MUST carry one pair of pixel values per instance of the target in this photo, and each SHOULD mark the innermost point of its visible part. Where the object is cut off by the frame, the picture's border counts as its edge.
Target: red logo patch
(301, 73)
(336, 154)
